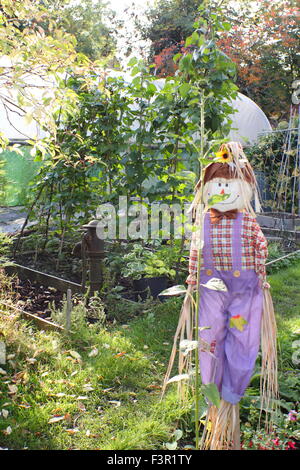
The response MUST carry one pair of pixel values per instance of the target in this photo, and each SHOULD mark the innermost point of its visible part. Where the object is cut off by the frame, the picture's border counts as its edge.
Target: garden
(93, 279)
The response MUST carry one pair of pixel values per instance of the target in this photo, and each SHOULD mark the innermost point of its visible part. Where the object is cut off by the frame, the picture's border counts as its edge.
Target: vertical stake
(237, 432)
(68, 309)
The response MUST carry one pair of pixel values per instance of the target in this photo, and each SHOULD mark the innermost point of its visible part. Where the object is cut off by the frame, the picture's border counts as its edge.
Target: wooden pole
(68, 309)
(237, 432)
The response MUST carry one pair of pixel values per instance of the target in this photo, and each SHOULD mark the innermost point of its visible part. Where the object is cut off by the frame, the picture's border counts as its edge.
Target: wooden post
(68, 309)
(95, 254)
(237, 432)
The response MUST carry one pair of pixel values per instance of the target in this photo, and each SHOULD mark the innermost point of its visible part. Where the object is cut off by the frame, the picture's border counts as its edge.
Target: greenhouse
(18, 167)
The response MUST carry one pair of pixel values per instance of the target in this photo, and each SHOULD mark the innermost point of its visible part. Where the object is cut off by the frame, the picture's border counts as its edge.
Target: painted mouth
(229, 202)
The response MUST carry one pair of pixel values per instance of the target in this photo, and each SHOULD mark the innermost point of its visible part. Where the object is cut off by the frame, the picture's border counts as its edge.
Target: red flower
(260, 447)
(276, 441)
(291, 446)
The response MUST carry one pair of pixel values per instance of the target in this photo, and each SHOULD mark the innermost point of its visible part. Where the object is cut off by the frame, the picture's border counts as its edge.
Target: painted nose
(222, 191)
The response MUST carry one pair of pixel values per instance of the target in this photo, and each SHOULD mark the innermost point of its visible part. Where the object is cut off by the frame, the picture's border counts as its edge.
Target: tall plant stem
(197, 371)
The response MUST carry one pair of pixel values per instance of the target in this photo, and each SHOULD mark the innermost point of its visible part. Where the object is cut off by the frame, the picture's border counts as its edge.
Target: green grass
(286, 297)
(109, 399)
(104, 381)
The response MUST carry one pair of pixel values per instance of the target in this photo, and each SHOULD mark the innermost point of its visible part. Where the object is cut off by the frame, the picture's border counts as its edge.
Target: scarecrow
(235, 311)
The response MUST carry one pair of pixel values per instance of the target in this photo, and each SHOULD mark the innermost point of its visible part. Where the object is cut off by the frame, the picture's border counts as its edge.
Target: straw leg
(225, 430)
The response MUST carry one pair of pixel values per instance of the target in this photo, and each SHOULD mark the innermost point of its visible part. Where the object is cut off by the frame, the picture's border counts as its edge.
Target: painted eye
(226, 185)
(219, 185)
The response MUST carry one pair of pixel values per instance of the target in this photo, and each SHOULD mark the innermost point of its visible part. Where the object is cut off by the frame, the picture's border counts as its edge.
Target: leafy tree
(108, 137)
(264, 43)
(89, 22)
(169, 23)
(35, 63)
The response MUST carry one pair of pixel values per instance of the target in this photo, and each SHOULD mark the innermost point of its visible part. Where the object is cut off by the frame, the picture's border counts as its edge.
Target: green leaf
(193, 39)
(226, 26)
(132, 62)
(135, 70)
(178, 434)
(204, 161)
(193, 101)
(211, 392)
(177, 57)
(171, 445)
(184, 89)
(151, 88)
(216, 198)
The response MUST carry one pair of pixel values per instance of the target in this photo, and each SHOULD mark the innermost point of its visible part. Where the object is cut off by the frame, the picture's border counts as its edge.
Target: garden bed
(99, 387)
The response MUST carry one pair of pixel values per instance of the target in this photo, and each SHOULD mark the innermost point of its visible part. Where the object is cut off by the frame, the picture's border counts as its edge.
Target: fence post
(68, 310)
(95, 253)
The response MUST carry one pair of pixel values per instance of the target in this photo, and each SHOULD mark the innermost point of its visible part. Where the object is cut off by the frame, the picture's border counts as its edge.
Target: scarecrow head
(229, 181)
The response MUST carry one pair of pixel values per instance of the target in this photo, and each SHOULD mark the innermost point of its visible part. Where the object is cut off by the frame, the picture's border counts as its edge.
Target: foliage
(5, 244)
(136, 139)
(268, 60)
(89, 22)
(19, 170)
(284, 263)
(80, 390)
(3, 179)
(141, 262)
(275, 251)
(271, 52)
(267, 156)
(168, 24)
(283, 438)
(30, 52)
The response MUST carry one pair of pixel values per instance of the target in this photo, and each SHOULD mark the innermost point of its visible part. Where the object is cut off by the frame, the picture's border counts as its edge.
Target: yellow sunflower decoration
(223, 156)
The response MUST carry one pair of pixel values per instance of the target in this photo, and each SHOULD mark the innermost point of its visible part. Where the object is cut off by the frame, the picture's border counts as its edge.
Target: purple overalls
(233, 352)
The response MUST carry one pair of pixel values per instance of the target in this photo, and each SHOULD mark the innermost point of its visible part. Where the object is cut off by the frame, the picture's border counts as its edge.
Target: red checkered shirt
(254, 248)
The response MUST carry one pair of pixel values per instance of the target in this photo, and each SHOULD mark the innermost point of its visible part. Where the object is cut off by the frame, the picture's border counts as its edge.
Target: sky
(120, 5)
(123, 8)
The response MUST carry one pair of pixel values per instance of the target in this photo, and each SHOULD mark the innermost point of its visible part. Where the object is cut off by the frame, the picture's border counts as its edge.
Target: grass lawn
(99, 387)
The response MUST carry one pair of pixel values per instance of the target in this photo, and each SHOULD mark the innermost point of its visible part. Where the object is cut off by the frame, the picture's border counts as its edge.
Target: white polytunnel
(248, 121)
(17, 102)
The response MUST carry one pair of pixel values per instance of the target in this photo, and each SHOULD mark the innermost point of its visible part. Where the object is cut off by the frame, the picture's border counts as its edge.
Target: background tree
(168, 24)
(89, 21)
(36, 57)
(264, 43)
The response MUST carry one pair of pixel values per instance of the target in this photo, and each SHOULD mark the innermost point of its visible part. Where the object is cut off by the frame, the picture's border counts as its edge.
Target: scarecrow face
(234, 194)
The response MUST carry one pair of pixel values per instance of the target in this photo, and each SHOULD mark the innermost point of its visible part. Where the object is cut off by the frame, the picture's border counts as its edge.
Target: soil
(35, 298)
(69, 268)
